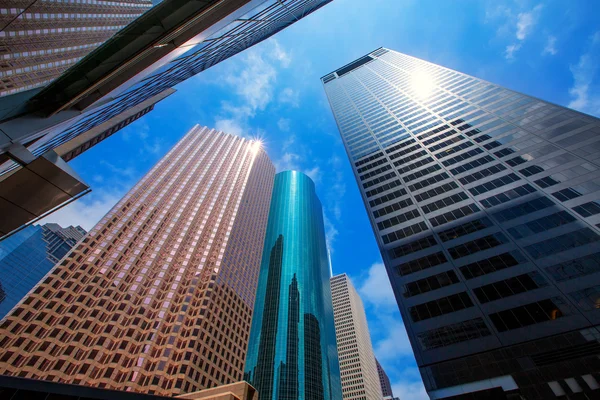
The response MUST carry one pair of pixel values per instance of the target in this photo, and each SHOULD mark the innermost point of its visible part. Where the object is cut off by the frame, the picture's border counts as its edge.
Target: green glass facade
(292, 352)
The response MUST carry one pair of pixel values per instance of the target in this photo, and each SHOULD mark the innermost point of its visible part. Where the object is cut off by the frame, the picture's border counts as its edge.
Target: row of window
(398, 219)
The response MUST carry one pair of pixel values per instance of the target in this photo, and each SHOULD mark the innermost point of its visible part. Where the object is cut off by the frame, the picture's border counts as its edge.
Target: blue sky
(548, 49)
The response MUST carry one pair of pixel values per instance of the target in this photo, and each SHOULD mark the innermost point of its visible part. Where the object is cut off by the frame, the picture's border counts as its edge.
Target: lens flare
(422, 84)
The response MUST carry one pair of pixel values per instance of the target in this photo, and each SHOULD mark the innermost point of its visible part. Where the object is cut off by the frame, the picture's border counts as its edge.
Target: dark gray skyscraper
(485, 206)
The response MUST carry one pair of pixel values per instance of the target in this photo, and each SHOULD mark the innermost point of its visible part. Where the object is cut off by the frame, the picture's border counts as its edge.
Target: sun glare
(422, 84)
(257, 144)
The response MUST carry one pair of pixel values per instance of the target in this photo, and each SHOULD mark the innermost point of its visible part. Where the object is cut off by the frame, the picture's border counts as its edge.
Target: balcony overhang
(39, 186)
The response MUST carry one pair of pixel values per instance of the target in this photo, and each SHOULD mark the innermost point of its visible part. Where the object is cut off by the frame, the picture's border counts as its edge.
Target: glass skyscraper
(292, 349)
(485, 206)
(28, 255)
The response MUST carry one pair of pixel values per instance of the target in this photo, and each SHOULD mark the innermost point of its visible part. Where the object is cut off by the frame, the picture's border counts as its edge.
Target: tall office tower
(27, 256)
(39, 39)
(138, 66)
(158, 297)
(292, 353)
(358, 369)
(384, 381)
(484, 203)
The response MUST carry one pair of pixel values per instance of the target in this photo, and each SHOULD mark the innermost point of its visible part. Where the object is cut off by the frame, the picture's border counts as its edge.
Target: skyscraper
(158, 298)
(384, 381)
(137, 67)
(29, 255)
(484, 203)
(358, 370)
(292, 352)
(39, 39)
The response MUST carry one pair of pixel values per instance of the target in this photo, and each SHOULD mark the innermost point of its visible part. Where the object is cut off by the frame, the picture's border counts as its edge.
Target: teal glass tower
(292, 352)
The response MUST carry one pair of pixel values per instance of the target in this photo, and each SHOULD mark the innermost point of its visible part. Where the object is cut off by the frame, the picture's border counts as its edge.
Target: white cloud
(289, 161)
(230, 126)
(251, 78)
(314, 173)
(550, 47)
(330, 232)
(376, 289)
(289, 96)
(283, 124)
(409, 390)
(86, 211)
(526, 21)
(583, 91)
(140, 132)
(510, 51)
(280, 54)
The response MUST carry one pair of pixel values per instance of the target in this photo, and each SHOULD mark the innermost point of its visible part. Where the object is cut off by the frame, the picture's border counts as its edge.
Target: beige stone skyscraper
(158, 297)
(39, 39)
(358, 368)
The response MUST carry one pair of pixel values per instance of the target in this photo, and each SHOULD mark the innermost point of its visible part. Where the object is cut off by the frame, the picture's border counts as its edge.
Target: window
(399, 146)
(473, 164)
(421, 263)
(587, 299)
(375, 172)
(576, 191)
(383, 188)
(412, 247)
(368, 159)
(398, 219)
(465, 229)
(477, 245)
(575, 268)
(414, 156)
(404, 232)
(453, 150)
(392, 207)
(454, 215)
(430, 283)
(494, 169)
(387, 197)
(510, 287)
(417, 164)
(523, 209)
(462, 157)
(373, 165)
(494, 184)
(436, 191)
(492, 264)
(454, 333)
(442, 306)
(541, 224)
(445, 202)
(529, 314)
(405, 151)
(379, 180)
(588, 209)
(562, 243)
(507, 196)
(446, 143)
(429, 181)
(420, 173)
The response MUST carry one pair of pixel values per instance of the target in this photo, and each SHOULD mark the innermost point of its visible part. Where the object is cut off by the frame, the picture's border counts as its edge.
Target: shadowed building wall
(158, 297)
(292, 351)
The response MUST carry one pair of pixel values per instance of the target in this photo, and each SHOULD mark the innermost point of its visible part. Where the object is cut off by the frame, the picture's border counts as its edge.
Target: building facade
(292, 351)
(358, 368)
(39, 40)
(158, 297)
(27, 256)
(384, 381)
(484, 203)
